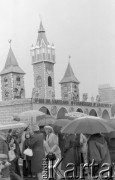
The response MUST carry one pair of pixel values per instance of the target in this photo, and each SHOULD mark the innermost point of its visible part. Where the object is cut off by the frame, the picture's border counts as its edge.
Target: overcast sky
(84, 29)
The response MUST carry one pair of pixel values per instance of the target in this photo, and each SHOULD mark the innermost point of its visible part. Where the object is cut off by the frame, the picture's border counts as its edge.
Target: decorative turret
(69, 85)
(12, 79)
(43, 60)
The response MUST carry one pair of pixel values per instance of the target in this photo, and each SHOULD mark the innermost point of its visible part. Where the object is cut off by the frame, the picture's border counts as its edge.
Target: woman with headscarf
(52, 144)
(27, 159)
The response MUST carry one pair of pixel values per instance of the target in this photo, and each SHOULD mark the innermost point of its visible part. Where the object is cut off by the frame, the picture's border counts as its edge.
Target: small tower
(12, 82)
(43, 60)
(69, 85)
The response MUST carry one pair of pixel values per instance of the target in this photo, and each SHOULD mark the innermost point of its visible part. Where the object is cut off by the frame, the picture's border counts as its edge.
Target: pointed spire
(69, 76)
(11, 64)
(41, 35)
(41, 28)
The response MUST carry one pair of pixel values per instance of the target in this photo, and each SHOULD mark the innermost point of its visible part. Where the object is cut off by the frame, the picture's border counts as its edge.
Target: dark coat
(98, 150)
(4, 150)
(36, 144)
(70, 153)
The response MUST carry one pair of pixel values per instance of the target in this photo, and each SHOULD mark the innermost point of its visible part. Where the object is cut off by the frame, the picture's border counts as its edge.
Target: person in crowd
(84, 147)
(52, 143)
(98, 150)
(22, 138)
(4, 165)
(27, 159)
(36, 144)
(69, 151)
(14, 154)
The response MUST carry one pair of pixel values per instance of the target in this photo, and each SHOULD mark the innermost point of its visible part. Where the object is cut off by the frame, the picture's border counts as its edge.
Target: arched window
(18, 80)
(5, 81)
(39, 81)
(49, 81)
(6, 93)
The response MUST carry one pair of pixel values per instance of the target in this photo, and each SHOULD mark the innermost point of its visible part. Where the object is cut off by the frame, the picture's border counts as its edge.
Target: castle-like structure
(12, 79)
(43, 92)
(43, 61)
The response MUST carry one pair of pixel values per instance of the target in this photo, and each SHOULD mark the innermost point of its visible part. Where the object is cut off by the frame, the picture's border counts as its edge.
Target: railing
(72, 103)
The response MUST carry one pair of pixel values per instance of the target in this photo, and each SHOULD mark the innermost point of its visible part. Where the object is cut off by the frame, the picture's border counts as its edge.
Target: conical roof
(11, 65)
(69, 76)
(41, 35)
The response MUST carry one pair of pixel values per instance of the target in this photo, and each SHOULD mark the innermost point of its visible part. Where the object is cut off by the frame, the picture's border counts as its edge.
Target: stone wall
(9, 108)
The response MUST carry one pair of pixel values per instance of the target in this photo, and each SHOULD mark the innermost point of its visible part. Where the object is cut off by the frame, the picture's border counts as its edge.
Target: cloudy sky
(84, 29)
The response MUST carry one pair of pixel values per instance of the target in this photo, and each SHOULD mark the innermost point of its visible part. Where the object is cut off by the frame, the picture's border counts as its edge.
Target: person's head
(10, 131)
(30, 130)
(27, 135)
(10, 139)
(48, 130)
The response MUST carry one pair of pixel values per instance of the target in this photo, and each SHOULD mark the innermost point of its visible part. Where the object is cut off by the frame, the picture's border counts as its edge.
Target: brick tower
(12, 79)
(43, 60)
(69, 85)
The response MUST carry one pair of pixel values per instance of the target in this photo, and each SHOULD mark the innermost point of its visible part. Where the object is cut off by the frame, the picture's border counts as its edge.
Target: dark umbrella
(59, 124)
(87, 125)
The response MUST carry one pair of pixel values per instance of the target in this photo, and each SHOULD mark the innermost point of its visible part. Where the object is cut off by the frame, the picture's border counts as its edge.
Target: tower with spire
(12, 79)
(69, 85)
(43, 60)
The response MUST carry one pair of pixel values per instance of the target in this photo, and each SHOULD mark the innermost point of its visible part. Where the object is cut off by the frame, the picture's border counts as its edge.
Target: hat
(48, 127)
(36, 128)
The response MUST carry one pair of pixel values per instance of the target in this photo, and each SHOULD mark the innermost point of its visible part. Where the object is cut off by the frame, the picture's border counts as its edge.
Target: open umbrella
(12, 125)
(73, 115)
(87, 125)
(59, 124)
(45, 120)
(30, 116)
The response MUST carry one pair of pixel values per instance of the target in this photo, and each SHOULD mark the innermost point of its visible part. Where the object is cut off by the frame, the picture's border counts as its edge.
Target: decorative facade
(69, 85)
(12, 79)
(43, 60)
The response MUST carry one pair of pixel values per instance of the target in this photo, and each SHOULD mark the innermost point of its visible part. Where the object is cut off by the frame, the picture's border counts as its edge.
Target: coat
(4, 150)
(36, 144)
(70, 152)
(98, 150)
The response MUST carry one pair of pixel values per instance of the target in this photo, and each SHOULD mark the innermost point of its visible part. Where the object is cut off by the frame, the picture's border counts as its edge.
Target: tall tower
(69, 85)
(12, 79)
(43, 60)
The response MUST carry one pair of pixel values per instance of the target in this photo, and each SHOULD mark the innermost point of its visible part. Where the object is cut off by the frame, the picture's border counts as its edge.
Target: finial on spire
(69, 58)
(10, 41)
(40, 17)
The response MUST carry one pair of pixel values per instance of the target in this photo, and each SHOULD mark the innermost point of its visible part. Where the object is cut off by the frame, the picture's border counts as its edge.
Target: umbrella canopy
(30, 116)
(45, 120)
(73, 115)
(87, 125)
(12, 125)
(59, 124)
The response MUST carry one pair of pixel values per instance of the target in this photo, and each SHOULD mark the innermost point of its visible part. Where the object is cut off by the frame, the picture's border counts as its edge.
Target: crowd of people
(76, 149)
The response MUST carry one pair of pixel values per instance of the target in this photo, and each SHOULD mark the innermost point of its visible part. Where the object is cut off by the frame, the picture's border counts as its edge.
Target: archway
(105, 115)
(44, 110)
(92, 113)
(79, 110)
(61, 113)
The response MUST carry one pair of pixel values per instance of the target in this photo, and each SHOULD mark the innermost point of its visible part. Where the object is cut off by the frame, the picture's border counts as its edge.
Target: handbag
(51, 156)
(12, 155)
(28, 152)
